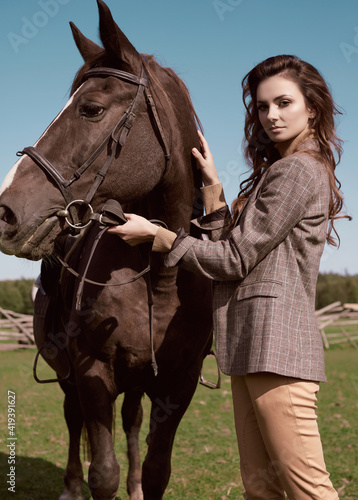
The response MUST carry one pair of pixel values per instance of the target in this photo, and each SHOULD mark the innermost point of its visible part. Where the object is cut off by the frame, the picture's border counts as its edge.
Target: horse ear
(117, 45)
(86, 47)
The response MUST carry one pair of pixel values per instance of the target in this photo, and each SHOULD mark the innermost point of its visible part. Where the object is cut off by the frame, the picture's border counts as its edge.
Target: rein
(112, 213)
(113, 216)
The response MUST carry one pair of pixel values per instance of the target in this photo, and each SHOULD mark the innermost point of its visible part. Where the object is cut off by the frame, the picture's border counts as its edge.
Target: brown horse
(126, 134)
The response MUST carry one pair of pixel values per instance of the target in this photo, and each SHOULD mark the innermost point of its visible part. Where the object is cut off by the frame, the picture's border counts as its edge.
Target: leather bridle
(114, 141)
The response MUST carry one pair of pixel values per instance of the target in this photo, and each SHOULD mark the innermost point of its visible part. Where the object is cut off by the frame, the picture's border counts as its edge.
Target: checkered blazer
(265, 271)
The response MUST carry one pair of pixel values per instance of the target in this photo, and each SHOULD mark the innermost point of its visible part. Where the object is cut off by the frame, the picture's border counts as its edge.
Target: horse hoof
(67, 495)
(137, 495)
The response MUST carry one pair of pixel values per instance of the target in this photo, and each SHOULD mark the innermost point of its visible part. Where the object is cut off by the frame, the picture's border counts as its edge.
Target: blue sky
(211, 44)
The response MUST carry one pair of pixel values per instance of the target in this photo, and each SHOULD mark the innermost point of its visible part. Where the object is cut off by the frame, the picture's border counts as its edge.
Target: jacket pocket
(259, 289)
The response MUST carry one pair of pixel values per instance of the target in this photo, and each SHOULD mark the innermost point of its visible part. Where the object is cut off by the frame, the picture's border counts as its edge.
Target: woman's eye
(261, 107)
(284, 103)
(91, 110)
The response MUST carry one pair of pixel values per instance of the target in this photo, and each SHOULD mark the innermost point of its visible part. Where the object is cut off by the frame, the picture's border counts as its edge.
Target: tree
(16, 295)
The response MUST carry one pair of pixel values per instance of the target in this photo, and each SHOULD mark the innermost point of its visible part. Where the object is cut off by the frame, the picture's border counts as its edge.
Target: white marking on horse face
(9, 177)
(11, 174)
(69, 102)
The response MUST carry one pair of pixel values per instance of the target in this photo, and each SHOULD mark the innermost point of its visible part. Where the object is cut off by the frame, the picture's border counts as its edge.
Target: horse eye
(91, 110)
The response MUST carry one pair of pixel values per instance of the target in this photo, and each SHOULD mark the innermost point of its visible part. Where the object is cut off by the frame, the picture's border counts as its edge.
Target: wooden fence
(15, 327)
(342, 317)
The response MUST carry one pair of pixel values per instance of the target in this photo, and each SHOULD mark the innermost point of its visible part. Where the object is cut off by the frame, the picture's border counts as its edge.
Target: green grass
(205, 464)
(338, 418)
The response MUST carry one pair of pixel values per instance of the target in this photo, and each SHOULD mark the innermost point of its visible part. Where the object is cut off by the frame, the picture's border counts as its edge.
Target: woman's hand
(136, 230)
(205, 162)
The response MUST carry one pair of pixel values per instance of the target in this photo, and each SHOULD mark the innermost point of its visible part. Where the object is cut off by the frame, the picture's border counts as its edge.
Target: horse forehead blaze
(11, 174)
(9, 177)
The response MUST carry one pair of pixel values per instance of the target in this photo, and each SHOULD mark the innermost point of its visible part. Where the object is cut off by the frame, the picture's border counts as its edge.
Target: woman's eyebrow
(275, 99)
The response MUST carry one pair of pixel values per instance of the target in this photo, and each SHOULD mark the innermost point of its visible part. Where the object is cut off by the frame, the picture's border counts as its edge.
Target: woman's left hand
(205, 162)
(136, 230)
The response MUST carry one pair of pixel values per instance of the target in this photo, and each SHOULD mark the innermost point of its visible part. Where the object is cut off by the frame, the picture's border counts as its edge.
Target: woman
(264, 262)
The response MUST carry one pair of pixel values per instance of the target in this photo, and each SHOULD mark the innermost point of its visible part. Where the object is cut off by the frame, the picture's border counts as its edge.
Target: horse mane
(147, 60)
(173, 77)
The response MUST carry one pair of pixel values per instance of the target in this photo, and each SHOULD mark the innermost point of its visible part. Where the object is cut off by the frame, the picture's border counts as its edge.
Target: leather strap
(48, 168)
(122, 75)
(154, 111)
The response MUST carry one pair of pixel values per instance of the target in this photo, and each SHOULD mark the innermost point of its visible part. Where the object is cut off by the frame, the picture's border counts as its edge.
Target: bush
(16, 295)
(332, 287)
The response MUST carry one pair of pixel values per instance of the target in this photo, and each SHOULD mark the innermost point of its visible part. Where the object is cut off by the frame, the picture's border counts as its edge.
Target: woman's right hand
(205, 162)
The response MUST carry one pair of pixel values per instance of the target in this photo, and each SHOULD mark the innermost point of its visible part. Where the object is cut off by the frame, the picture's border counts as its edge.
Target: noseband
(114, 141)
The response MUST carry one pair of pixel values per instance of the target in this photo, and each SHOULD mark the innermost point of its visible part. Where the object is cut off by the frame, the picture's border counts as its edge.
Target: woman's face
(282, 109)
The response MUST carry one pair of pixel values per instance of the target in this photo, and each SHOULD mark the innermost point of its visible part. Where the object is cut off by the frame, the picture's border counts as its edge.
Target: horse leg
(168, 408)
(132, 416)
(74, 420)
(97, 406)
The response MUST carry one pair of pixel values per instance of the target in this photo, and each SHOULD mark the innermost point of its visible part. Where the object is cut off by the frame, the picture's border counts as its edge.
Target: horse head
(126, 133)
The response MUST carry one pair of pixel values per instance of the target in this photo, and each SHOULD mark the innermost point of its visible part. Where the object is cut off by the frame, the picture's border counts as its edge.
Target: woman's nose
(272, 114)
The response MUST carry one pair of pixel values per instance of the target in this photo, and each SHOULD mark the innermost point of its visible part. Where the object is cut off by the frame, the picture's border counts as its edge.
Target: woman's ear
(311, 113)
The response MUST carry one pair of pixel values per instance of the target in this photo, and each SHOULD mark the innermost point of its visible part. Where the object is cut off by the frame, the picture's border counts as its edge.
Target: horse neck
(178, 191)
(170, 202)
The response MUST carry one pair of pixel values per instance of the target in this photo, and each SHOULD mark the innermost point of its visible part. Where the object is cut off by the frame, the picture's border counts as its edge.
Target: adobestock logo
(40, 19)
(222, 7)
(348, 49)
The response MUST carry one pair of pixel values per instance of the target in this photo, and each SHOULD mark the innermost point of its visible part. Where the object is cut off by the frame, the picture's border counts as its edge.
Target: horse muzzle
(31, 243)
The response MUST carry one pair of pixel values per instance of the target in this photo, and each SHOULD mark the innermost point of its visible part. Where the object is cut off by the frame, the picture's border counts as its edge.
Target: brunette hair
(259, 150)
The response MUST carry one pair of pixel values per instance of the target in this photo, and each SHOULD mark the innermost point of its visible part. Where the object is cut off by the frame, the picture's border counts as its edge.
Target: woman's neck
(286, 148)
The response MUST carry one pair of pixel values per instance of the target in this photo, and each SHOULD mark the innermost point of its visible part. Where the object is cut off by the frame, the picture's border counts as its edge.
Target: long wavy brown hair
(259, 150)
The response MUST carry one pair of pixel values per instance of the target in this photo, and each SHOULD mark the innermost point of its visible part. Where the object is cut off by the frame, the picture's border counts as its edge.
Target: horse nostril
(7, 215)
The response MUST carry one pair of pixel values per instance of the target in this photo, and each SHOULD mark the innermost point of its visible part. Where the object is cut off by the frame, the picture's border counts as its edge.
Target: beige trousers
(279, 443)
